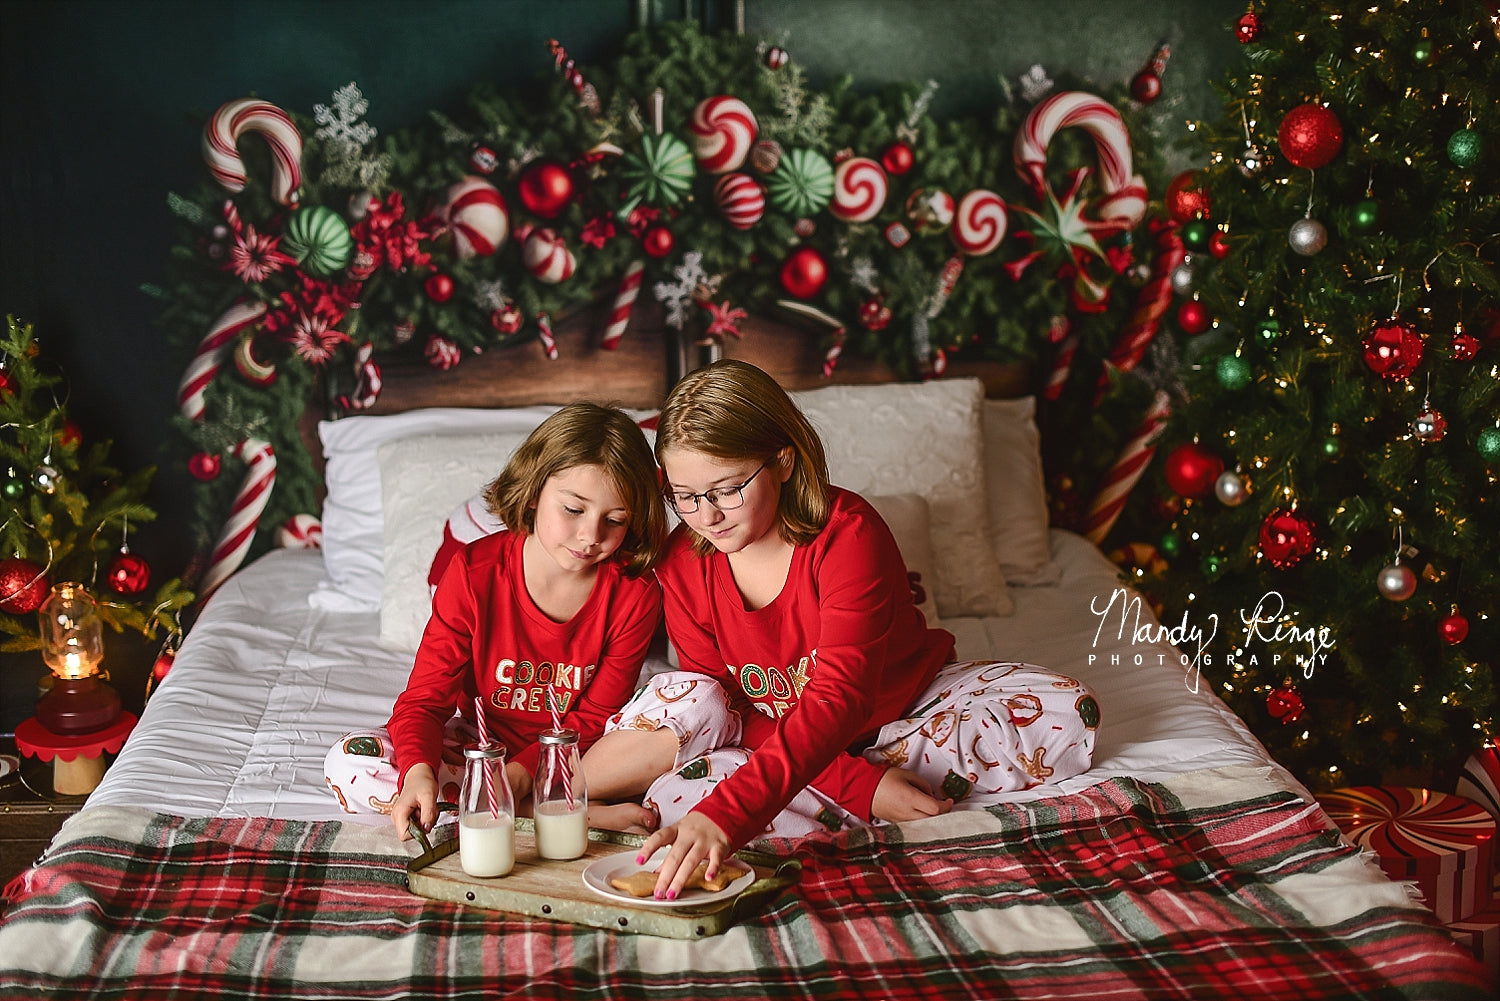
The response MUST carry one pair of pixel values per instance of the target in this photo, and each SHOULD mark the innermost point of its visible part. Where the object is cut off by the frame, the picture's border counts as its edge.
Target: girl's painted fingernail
(640, 860)
(671, 894)
(658, 894)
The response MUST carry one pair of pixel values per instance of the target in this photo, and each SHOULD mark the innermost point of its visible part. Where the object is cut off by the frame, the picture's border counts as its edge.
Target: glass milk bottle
(560, 803)
(486, 813)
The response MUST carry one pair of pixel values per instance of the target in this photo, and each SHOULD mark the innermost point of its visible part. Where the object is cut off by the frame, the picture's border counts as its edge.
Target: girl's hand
(418, 794)
(904, 795)
(520, 781)
(693, 839)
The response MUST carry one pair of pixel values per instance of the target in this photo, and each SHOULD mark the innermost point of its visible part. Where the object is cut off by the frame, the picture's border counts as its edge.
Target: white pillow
(921, 438)
(422, 479)
(353, 537)
(1017, 491)
(907, 517)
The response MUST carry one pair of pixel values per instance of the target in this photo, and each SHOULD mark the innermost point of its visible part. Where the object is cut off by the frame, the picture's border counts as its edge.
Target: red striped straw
(484, 741)
(567, 766)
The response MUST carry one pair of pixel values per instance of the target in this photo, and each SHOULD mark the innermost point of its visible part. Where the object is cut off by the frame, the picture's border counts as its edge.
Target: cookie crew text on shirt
(524, 686)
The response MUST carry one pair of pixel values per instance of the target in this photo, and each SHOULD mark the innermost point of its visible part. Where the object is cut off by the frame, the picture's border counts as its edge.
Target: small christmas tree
(1338, 453)
(67, 512)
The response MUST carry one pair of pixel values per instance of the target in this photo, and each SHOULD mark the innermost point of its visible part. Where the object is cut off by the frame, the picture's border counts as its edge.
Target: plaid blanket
(1217, 885)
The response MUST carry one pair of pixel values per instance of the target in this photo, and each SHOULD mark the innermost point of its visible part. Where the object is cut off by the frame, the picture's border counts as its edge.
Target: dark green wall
(103, 103)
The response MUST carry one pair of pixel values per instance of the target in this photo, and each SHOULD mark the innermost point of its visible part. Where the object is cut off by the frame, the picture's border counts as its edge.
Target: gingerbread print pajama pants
(981, 727)
(360, 768)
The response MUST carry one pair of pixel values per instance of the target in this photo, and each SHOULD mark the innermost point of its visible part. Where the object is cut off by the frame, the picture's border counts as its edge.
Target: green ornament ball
(1196, 233)
(1333, 447)
(1488, 444)
(1421, 53)
(802, 183)
(1466, 148)
(1366, 215)
(1268, 331)
(660, 174)
(318, 238)
(1170, 545)
(1233, 372)
(12, 486)
(1212, 565)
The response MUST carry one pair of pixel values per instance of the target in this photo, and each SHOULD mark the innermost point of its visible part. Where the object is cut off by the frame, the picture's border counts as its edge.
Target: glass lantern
(73, 648)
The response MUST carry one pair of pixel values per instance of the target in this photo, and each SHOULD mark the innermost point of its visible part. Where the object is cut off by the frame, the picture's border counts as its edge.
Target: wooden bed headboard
(640, 371)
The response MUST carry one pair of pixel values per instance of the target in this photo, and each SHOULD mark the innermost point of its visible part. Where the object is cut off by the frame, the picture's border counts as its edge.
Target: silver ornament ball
(1251, 161)
(1429, 425)
(1183, 276)
(1230, 489)
(1307, 237)
(1396, 582)
(45, 478)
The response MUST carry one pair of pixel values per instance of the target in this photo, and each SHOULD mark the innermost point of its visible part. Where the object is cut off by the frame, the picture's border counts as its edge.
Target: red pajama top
(839, 653)
(487, 637)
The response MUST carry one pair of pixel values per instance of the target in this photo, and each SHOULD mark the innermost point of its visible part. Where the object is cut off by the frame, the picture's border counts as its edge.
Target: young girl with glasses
(812, 693)
(561, 605)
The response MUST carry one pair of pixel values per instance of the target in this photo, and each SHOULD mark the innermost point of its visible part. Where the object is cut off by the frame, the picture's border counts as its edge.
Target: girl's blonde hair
(733, 410)
(586, 434)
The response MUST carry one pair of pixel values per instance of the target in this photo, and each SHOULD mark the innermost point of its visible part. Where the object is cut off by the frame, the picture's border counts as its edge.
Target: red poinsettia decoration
(641, 219)
(254, 257)
(383, 239)
(598, 230)
(723, 318)
(307, 318)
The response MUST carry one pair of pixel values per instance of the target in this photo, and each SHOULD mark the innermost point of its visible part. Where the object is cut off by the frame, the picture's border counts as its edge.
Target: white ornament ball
(1230, 489)
(1183, 276)
(741, 200)
(547, 257)
(1307, 237)
(300, 531)
(1396, 582)
(477, 217)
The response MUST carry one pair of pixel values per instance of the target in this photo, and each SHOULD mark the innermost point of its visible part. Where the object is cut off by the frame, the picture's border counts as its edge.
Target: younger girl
(804, 661)
(559, 606)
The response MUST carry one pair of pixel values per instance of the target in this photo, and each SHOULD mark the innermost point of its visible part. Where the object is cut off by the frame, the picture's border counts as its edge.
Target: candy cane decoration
(209, 356)
(1127, 469)
(1124, 202)
(1062, 364)
(545, 335)
(234, 538)
(831, 356)
(484, 742)
(235, 118)
(1150, 306)
(588, 97)
(625, 296)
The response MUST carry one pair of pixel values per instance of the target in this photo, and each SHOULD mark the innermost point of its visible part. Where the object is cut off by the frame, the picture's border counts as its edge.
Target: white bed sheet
(265, 683)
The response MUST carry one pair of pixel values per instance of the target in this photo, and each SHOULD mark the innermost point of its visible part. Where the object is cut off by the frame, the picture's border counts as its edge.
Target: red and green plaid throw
(1213, 886)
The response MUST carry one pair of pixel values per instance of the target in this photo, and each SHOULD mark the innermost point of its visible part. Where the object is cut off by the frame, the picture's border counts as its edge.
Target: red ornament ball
(1145, 86)
(546, 187)
(1285, 703)
(657, 241)
(1247, 28)
(1453, 627)
(803, 273)
(439, 288)
(484, 160)
(1286, 537)
(874, 314)
(1310, 136)
(128, 573)
(204, 466)
(7, 383)
(898, 158)
(23, 585)
(1193, 317)
(1218, 244)
(71, 436)
(163, 664)
(1185, 200)
(1192, 469)
(1393, 350)
(1465, 347)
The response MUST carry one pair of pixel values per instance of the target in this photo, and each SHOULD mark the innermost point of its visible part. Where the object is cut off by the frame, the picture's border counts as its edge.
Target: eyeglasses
(723, 498)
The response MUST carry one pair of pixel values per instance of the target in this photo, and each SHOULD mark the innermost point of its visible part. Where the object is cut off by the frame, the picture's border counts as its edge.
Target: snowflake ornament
(345, 136)
(863, 276)
(678, 295)
(489, 295)
(1036, 84)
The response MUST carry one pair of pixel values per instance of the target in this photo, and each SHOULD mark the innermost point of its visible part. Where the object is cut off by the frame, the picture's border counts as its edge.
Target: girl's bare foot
(632, 818)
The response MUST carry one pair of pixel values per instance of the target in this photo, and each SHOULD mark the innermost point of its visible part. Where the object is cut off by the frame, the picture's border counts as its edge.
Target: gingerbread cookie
(642, 883)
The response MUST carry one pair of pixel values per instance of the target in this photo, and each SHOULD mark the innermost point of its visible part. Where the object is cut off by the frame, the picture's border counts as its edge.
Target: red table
(79, 764)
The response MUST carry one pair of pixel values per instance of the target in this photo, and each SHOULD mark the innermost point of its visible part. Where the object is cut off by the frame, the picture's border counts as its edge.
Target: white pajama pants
(981, 727)
(361, 768)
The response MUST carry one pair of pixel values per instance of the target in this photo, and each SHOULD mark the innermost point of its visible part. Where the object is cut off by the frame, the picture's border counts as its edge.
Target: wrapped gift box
(1442, 842)
(1480, 934)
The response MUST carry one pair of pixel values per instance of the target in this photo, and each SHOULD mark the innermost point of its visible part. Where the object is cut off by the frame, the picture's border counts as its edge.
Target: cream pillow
(921, 438)
(1017, 492)
(907, 518)
(422, 479)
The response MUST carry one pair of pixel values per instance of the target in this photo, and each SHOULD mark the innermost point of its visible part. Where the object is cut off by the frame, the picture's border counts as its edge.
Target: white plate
(9, 764)
(600, 871)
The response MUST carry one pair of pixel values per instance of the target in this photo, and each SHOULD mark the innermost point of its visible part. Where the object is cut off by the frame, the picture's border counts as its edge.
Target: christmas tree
(67, 512)
(1338, 449)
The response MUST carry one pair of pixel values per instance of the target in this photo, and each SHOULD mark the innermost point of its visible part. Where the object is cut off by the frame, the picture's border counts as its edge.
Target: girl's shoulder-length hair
(587, 434)
(733, 410)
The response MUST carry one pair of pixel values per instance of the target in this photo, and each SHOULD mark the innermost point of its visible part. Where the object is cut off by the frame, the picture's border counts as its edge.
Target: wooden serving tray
(555, 891)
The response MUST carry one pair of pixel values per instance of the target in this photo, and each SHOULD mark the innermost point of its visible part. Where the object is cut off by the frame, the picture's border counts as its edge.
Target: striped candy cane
(484, 741)
(619, 316)
(545, 334)
(1127, 469)
(1151, 305)
(210, 354)
(1062, 364)
(567, 766)
(238, 532)
(223, 131)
